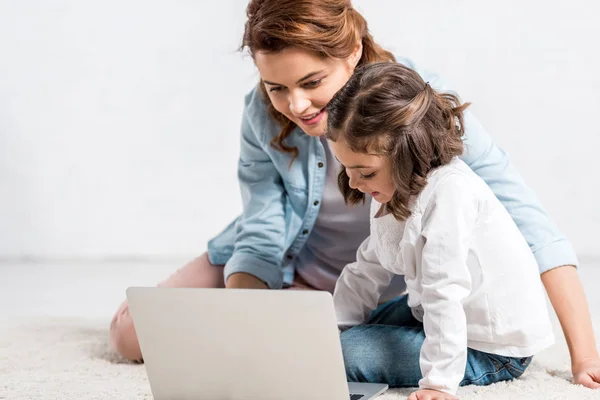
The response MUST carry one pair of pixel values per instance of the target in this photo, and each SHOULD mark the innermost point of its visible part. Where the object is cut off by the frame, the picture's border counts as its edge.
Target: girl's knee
(364, 362)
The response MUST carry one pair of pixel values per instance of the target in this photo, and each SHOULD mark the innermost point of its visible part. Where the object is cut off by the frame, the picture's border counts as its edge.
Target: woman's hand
(566, 293)
(587, 373)
(242, 280)
(428, 394)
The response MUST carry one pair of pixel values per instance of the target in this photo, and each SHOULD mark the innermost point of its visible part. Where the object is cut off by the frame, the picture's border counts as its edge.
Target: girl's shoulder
(455, 178)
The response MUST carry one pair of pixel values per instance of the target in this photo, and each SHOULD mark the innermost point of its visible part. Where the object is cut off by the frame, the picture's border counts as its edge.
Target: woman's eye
(371, 175)
(275, 89)
(313, 84)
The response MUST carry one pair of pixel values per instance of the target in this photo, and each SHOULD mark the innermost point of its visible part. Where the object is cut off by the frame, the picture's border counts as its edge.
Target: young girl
(475, 302)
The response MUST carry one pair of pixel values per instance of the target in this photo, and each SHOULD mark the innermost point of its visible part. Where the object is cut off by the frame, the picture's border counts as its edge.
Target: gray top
(338, 232)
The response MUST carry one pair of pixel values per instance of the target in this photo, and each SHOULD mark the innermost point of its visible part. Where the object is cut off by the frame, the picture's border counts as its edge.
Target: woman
(305, 51)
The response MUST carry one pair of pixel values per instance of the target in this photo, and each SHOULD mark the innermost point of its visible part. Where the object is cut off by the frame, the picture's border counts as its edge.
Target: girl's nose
(352, 181)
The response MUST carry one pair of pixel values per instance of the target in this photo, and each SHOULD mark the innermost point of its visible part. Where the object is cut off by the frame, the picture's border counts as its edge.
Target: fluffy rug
(70, 359)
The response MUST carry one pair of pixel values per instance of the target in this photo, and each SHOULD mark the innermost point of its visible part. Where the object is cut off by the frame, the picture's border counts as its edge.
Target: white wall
(119, 120)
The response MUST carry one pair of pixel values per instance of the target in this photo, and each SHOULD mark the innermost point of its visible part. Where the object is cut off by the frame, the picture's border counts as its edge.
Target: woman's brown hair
(329, 28)
(387, 109)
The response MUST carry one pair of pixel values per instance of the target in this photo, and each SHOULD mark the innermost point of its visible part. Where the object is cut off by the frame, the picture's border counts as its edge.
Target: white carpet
(60, 358)
(49, 351)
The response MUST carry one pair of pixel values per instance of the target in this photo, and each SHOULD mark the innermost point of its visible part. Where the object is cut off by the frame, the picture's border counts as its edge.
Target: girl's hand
(587, 373)
(428, 394)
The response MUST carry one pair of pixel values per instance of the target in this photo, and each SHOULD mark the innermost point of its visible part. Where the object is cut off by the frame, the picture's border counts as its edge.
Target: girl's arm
(447, 224)
(360, 286)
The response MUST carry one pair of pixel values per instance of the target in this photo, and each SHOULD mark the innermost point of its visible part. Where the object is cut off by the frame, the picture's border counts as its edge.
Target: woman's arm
(260, 231)
(243, 280)
(567, 296)
(549, 246)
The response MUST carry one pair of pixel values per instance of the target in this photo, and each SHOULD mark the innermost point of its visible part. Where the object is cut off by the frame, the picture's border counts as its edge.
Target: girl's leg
(383, 354)
(394, 312)
(387, 350)
(198, 273)
(484, 368)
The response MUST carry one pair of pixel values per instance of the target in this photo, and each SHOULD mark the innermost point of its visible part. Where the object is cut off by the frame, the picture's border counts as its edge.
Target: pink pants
(199, 273)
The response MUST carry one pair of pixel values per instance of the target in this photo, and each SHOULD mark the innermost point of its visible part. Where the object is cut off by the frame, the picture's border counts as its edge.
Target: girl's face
(300, 84)
(369, 173)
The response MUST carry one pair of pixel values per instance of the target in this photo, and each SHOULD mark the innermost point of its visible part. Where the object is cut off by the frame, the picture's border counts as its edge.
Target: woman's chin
(315, 130)
(315, 133)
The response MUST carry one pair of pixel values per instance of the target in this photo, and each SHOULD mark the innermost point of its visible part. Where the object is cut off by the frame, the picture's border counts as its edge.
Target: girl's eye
(275, 89)
(313, 84)
(371, 175)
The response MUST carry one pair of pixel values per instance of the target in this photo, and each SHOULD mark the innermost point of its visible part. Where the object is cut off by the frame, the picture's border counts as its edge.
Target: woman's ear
(356, 55)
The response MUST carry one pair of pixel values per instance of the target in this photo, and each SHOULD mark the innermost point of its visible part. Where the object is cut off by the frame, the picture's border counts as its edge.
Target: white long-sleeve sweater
(471, 276)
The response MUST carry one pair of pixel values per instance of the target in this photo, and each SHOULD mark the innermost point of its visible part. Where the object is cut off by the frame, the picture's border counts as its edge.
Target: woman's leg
(198, 273)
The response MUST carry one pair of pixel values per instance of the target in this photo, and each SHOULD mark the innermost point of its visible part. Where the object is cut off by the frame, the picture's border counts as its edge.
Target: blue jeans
(386, 349)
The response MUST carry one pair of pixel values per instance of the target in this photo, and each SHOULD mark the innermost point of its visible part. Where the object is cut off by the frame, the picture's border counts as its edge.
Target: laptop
(242, 344)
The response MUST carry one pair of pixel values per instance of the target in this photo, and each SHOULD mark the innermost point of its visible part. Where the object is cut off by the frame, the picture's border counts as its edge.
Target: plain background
(119, 120)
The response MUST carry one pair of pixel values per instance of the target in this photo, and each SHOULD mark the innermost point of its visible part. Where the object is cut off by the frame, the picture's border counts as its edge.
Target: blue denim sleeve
(549, 246)
(260, 230)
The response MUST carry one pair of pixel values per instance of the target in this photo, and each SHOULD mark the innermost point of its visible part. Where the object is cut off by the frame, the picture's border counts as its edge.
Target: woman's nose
(299, 103)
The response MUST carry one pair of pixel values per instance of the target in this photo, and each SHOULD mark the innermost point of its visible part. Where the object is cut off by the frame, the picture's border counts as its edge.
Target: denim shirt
(281, 201)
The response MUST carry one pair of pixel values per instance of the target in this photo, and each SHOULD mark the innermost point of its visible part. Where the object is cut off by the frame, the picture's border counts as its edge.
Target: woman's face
(300, 84)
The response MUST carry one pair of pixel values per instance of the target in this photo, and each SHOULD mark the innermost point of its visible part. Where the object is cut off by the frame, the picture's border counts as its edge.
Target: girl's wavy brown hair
(329, 28)
(387, 109)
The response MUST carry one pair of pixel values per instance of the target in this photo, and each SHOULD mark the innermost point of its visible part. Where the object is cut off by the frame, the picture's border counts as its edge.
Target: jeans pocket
(517, 366)
(484, 369)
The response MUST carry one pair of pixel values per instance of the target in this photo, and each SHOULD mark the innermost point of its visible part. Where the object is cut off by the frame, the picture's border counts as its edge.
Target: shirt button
(321, 165)
(316, 203)
(305, 232)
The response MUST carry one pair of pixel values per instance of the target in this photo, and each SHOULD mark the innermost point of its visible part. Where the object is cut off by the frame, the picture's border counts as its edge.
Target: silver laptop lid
(239, 344)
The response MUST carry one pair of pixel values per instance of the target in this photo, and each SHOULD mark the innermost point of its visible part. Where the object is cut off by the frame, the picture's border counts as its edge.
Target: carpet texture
(58, 358)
